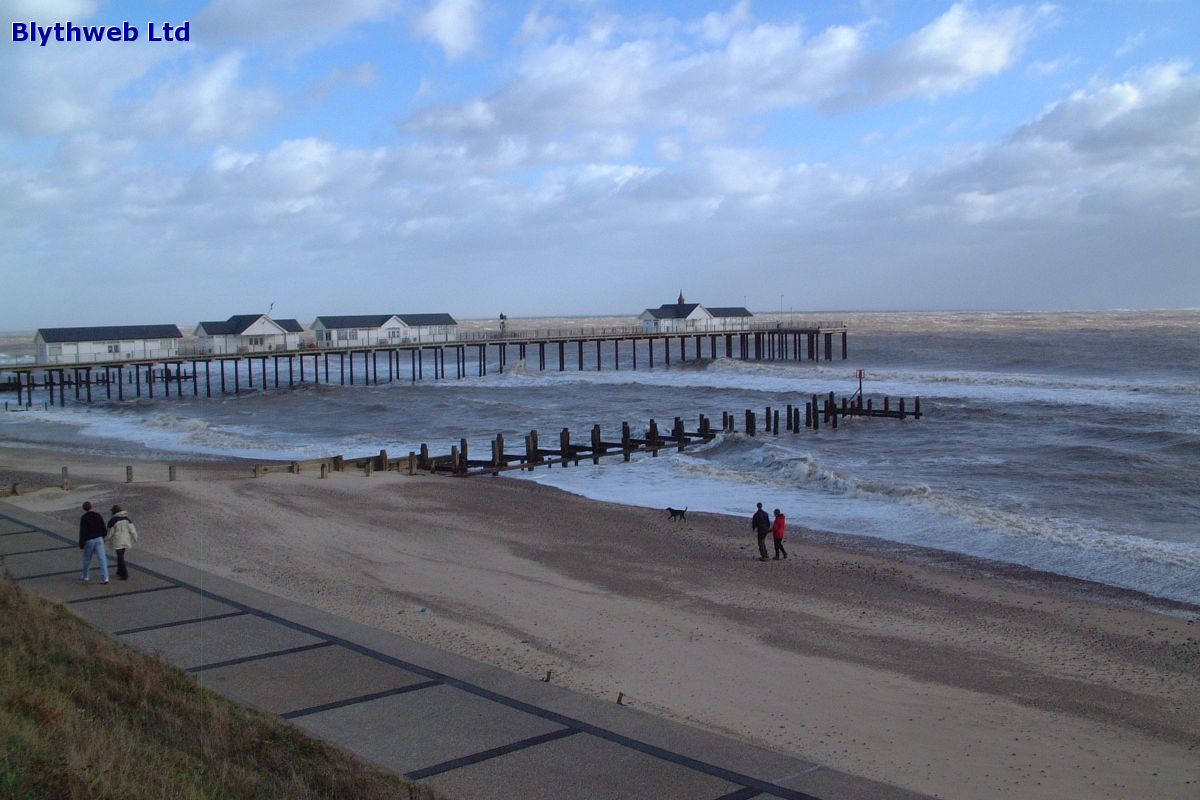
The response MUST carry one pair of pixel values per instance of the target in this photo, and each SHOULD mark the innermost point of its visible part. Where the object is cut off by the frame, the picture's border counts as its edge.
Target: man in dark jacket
(760, 523)
(92, 531)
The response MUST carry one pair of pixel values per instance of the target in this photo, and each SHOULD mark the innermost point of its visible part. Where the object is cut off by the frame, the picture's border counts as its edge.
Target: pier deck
(221, 373)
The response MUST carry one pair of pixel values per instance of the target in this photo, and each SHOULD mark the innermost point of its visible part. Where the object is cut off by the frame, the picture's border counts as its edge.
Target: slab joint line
(178, 622)
(117, 594)
(362, 698)
(42, 550)
(247, 659)
(486, 755)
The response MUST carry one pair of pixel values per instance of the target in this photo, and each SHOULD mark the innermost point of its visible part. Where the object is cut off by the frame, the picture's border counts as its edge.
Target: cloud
(657, 79)
(364, 74)
(453, 25)
(949, 55)
(1131, 43)
(208, 103)
(305, 20)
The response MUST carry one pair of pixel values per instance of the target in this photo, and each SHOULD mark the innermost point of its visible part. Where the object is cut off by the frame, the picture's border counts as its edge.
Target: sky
(592, 157)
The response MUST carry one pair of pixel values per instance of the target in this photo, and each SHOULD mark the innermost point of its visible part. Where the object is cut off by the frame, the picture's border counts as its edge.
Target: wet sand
(943, 674)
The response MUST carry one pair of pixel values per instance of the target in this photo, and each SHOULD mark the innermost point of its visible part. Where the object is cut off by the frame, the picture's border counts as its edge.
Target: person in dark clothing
(760, 523)
(92, 531)
(779, 532)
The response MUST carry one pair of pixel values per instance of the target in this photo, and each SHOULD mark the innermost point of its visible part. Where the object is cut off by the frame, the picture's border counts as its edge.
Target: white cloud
(951, 54)
(1131, 43)
(717, 27)
(45, 11)
(453, 25)
(311, 20)
(209, 103)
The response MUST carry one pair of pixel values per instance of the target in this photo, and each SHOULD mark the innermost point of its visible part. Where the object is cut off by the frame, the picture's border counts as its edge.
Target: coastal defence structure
(179, 373)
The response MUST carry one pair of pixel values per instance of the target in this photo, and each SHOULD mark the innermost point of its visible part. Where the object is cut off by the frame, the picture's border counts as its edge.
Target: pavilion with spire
(684, 317)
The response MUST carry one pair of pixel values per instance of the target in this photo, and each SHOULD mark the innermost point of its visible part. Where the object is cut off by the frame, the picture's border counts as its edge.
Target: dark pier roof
(109, 333)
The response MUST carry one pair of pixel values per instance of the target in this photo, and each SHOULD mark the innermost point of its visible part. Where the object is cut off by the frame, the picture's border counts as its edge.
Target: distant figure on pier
(123, 534)
(779, 532)
(92, 531)
(760, 523)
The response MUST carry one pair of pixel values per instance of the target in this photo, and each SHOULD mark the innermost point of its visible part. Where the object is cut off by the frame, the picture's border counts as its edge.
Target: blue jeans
(95, 546)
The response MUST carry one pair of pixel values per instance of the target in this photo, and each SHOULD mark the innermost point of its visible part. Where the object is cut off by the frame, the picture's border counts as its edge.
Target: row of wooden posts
(816, 412)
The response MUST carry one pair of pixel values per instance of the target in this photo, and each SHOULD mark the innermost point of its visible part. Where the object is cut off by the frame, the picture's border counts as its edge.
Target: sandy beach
(946, 675)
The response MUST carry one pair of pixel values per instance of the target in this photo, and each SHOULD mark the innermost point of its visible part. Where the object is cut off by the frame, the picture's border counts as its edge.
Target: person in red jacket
(778, 532)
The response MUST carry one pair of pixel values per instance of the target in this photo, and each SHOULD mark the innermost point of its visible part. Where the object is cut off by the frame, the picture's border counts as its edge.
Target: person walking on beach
(123, 534)
(760, 523)
(778, 532)
(92, 531)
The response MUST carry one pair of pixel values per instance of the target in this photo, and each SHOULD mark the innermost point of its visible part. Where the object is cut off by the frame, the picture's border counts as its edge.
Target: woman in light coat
(121, 536)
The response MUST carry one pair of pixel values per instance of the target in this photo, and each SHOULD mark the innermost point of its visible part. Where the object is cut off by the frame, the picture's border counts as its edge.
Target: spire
(680, 300)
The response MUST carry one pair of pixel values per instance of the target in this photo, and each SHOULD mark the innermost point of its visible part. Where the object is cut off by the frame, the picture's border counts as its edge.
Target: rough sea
(1065, 442)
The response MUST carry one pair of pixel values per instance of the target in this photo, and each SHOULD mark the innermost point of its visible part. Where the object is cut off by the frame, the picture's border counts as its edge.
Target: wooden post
(339, 464)
(324, 470)
(455, 466)
(901, 408)
(767, 419)
(564, 444)
(463, 454)
(775, 423)
(499, 459)
(423, 463)
(536, 456)
(808, 415)
(869, 409)
(625, 443)
(66, 483)
(886, 403)
(677, 429)
(412, 463)
(257, 470)
(652, 438)
(833, 411)
(595, 444)
(172, 474)
(129, 474)
(383, 460)
(789, 418)
(749, 422)
(916, 408)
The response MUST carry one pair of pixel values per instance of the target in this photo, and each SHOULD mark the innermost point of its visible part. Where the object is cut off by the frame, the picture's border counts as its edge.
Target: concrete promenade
(471, 731)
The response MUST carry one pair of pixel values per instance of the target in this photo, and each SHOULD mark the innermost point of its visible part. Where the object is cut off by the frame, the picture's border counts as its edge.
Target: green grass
(83, 716)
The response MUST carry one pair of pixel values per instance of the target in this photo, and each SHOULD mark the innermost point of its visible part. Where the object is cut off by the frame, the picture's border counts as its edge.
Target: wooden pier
(193, 374)
(815, 412)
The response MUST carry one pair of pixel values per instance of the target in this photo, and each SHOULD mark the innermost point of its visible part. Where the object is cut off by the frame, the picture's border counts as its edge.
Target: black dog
(676, 514)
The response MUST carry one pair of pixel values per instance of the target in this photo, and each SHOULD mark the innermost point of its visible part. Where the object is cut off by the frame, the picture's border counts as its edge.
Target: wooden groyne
(531, 454)
(219, 374)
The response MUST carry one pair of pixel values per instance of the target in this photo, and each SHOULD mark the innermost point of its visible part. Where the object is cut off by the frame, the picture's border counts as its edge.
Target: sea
(1063, 442)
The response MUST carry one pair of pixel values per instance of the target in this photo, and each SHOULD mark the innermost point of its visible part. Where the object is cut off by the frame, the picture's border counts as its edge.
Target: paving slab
(572, 767)
(410, 731)
(53, 561)
(313, 678)
(67, 588)
(29, 540)
(143, 610)
(9, 525)
(201, 644)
